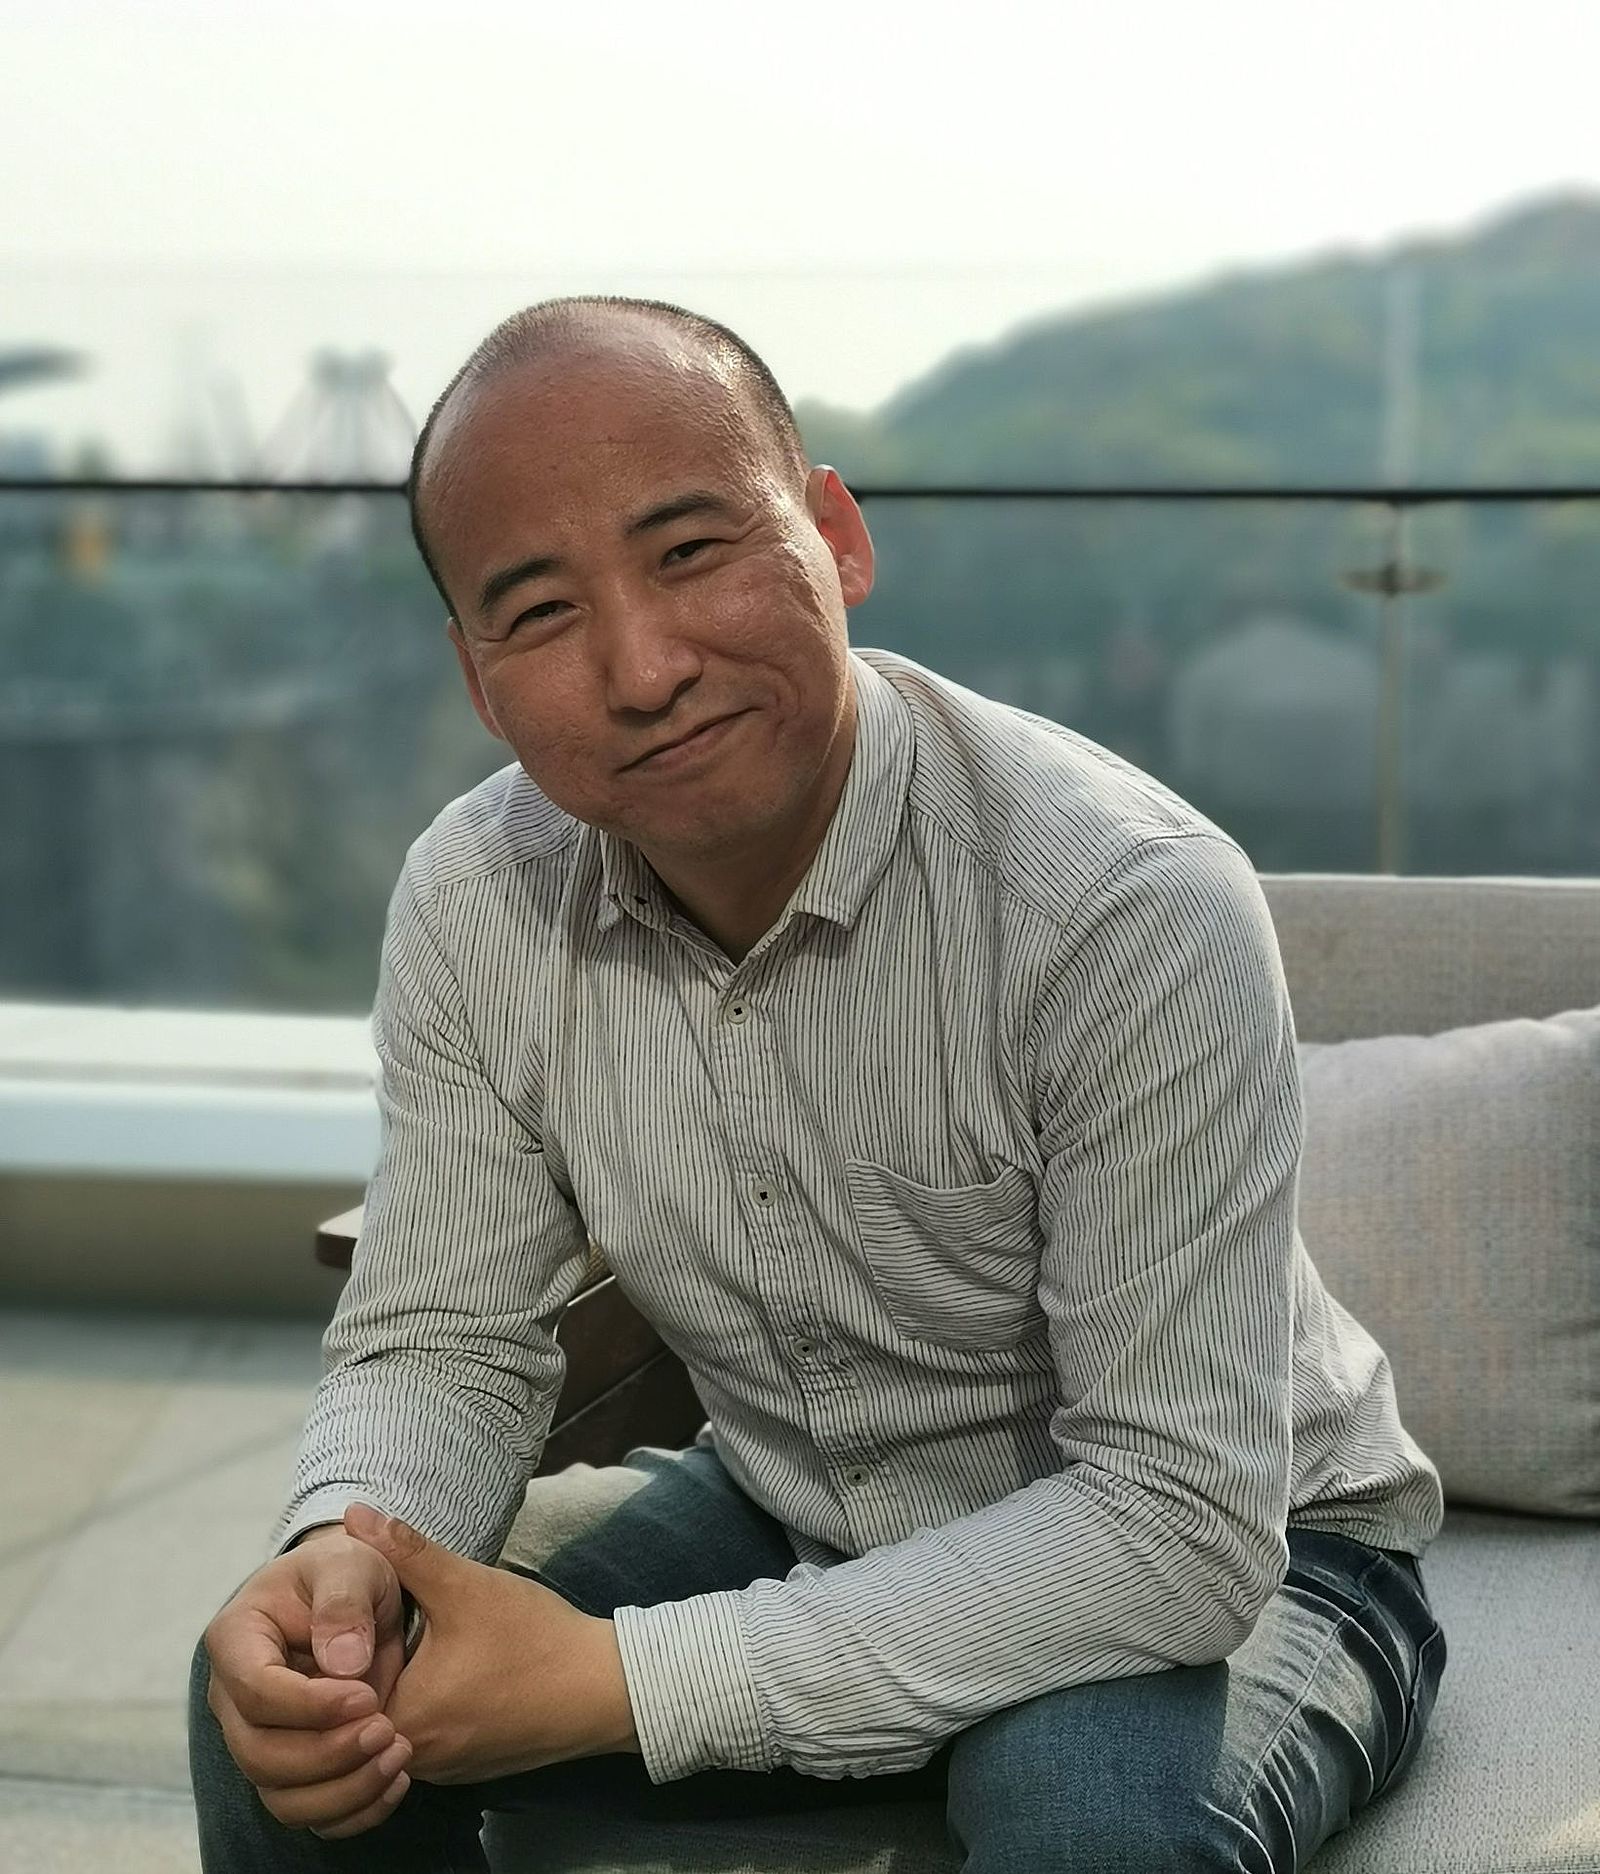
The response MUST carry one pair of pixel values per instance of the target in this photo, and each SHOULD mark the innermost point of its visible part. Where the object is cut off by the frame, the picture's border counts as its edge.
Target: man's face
(670, 575)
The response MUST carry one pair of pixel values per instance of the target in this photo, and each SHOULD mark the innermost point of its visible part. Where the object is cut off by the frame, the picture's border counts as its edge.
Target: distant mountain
(1279, 374)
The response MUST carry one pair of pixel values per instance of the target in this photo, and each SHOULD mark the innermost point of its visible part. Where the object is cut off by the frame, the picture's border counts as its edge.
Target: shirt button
(764, 1191)
(803, 1345)
(737, 1012)
(857, 1474)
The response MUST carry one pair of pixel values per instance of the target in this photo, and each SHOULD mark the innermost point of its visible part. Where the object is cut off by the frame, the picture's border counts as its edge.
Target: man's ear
(469, 670)
(839, 521)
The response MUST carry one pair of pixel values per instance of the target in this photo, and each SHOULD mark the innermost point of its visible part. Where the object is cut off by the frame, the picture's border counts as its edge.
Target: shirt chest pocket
(957, 1267)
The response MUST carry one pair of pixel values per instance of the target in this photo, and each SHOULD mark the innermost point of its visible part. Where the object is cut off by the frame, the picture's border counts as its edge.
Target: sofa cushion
(1450, 1198)
(1507, 1778)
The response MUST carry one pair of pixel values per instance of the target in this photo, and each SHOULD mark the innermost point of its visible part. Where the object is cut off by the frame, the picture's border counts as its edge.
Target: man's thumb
(342, 1626)
(407, 1551)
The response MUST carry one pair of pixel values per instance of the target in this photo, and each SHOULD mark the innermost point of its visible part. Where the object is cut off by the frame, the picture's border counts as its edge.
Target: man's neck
(738, 913)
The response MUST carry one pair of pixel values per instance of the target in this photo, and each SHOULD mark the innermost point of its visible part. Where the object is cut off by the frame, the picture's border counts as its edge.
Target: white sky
(856, 185)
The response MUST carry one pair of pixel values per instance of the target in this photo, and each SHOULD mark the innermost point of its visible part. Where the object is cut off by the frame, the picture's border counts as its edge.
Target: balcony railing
(227, 709)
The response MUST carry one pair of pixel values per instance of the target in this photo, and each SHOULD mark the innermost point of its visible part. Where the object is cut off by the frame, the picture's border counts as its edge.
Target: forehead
(583, 435)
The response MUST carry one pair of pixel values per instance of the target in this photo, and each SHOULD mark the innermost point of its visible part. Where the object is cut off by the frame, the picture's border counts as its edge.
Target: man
(927, 1076)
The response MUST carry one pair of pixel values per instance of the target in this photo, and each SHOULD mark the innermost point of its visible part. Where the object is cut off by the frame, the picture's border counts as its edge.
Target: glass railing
(225, 713)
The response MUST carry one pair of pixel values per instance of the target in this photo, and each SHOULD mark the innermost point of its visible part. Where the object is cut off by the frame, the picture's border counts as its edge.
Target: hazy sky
(858, 186)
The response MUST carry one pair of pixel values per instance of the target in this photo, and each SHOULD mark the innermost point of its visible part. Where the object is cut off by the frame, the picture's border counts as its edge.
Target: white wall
(177, 1158)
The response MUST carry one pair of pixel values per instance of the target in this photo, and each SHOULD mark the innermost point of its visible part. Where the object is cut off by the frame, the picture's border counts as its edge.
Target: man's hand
(508, 1676)
(303, 1660)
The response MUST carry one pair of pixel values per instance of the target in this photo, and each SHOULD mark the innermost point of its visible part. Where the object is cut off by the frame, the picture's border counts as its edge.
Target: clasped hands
(329, 1720)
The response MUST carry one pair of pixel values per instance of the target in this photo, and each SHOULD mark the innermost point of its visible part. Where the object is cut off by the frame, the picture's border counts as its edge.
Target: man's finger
(340, 1799)
(247, 1656)
(343, 1626)
(269, 1756)
(278, 1697)
(370, 1817)
(276, 1759)
(351, 1596)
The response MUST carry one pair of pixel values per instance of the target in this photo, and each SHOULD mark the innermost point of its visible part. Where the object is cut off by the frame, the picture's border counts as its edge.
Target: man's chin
(699, 841)
(708, 832)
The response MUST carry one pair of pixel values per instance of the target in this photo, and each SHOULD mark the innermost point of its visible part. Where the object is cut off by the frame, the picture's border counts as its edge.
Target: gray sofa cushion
(1507, 1780)
(1450, 1198)
(1380, 955)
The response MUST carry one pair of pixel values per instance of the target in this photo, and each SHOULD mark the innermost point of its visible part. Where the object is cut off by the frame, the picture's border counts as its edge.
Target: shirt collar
(627, 884)
(855, 849)
(866, 823)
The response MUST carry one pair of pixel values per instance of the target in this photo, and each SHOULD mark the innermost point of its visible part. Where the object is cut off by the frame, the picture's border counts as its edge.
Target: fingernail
(346, 1653)
(374, 1736)
(393, 1757)
(397, 1788)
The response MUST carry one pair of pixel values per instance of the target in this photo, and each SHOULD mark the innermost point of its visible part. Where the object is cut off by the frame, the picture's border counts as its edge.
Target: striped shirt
(967, 1197)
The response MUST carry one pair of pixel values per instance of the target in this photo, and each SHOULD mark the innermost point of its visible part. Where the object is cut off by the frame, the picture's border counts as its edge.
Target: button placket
(750, 1079)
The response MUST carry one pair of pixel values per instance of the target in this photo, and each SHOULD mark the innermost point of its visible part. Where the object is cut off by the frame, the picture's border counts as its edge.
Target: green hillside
(1277, 375)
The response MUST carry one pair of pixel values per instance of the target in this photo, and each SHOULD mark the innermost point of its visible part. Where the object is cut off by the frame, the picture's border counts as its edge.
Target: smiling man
(927, 1074)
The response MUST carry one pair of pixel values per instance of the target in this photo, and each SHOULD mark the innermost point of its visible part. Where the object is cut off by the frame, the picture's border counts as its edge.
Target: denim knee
(1046, 1788)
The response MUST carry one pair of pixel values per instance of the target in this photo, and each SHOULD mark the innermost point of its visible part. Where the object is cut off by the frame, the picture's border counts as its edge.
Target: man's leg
(685, 1529)
(1245, 1765)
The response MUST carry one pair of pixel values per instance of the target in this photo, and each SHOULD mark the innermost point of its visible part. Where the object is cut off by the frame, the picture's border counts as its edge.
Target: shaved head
(585, 324)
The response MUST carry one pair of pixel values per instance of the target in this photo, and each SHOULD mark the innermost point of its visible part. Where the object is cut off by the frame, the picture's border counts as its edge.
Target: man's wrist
(309, 1534)
(612, 1708)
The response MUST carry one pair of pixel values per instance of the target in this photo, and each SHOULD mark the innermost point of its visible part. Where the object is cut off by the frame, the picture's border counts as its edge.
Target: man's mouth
(703, 739)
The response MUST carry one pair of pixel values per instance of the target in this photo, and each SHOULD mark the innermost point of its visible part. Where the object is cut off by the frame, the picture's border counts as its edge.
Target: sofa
(1450, 1197)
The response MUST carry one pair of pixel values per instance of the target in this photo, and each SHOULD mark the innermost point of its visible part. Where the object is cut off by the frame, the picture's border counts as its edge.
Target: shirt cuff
(695, 1704)
(325, 1506)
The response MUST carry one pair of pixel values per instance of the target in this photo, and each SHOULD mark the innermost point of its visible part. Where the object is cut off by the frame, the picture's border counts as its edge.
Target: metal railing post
(1390, 780)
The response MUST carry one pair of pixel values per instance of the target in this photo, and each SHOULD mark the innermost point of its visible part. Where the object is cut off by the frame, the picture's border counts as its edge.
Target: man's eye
(535, 614)
(685, 549)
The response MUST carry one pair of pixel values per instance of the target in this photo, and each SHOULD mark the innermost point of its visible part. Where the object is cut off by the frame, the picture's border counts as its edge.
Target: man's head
(614, 502)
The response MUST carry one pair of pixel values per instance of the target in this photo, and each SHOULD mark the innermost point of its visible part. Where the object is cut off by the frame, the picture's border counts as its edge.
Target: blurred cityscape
(224, 715)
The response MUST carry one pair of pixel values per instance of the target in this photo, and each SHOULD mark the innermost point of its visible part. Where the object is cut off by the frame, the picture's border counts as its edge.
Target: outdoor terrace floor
(145, 1458)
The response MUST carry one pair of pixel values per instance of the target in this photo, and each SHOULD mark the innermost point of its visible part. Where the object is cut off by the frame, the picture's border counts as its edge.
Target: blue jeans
(1247, 1764)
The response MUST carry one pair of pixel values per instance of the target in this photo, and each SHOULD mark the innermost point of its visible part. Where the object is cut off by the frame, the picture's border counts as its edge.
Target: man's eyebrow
(696, 501)
(498, 584)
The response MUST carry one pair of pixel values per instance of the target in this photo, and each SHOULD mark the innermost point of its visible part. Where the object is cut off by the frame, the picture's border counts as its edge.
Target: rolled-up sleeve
(1166, 1099)
(441, 1366)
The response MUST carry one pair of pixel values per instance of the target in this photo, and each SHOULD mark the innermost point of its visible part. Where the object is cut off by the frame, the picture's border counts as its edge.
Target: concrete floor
(146, 1457)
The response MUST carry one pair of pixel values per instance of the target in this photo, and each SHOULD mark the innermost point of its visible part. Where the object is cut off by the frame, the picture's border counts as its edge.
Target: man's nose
(646, 656)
